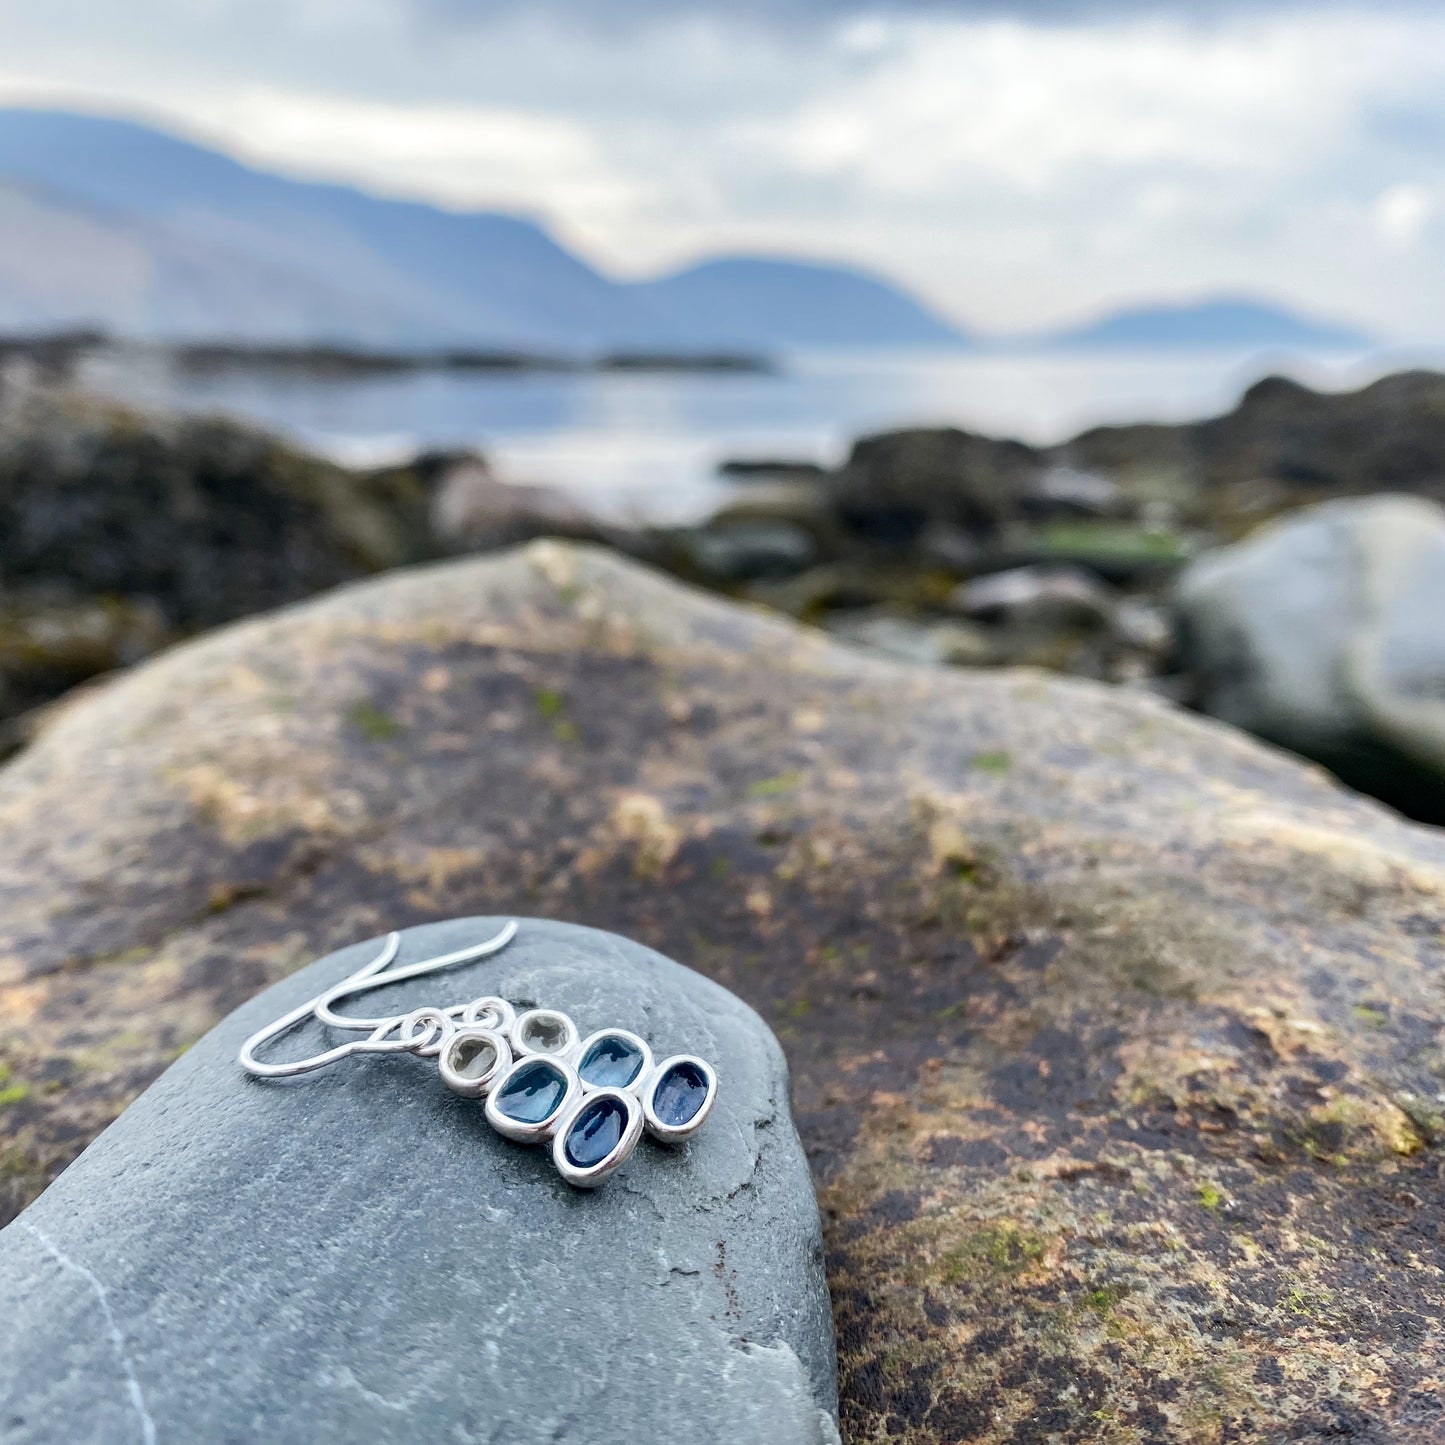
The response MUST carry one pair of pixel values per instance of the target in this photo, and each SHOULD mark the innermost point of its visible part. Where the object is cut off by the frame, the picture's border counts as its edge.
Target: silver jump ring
(490, 1012)
(425, 1030)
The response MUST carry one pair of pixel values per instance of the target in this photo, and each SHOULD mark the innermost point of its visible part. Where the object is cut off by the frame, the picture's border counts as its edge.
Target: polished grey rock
(354, 1254)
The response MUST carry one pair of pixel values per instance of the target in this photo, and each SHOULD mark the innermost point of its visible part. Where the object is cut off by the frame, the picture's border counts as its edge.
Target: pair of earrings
(589, 1098)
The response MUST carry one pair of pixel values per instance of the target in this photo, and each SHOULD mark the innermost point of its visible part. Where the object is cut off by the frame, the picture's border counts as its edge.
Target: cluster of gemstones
(591, 1098)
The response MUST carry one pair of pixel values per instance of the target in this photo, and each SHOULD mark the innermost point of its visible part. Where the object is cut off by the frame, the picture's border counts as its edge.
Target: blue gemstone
(595, 1132)
(533, 1093)
(610, 1063)
(679, 1094)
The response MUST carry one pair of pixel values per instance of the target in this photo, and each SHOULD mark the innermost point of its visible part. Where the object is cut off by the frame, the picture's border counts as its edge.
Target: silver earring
(591, 1098)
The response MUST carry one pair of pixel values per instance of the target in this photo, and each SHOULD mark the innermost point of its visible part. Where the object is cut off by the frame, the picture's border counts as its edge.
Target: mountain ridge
(183, 234)
(110, 223)
(1211, 321)
(820, 304)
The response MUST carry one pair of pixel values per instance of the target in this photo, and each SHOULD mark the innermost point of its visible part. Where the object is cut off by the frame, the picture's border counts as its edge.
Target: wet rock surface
(1115, 1036)
(356, 1254)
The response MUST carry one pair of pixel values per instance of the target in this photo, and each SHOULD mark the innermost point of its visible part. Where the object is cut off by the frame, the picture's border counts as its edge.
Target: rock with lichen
(1115, 1036)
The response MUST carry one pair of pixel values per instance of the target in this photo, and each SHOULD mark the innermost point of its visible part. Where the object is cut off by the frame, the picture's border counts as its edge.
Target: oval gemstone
(547, 1033)
(533, 1093)
(595, 1132)
(679, 1094)
(610, 1063)
(472, 1057)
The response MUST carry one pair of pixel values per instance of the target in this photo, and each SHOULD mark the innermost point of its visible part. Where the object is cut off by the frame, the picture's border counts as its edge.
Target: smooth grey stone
(354, 1254)
(1323, 632)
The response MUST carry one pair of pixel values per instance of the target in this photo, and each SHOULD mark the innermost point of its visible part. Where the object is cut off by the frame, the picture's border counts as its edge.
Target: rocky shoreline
(1114, 1036)
(121, 533)
(62, 353)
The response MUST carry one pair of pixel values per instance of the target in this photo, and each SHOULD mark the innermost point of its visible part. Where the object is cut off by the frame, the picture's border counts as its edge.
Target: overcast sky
(1017, 165)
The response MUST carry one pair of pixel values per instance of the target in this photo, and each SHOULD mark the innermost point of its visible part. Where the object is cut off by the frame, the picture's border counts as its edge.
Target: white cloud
(1030, 106)
(1401, 214)
(1018, 172)
(464, 156)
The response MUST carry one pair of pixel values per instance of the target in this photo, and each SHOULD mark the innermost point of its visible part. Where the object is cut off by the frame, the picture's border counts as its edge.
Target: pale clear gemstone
(473, 1058)
(545, 1035)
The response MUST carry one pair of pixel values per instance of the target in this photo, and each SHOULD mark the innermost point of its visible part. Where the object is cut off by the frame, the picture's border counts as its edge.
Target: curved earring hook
(370, 975)
(367, 979)
(253, 1065)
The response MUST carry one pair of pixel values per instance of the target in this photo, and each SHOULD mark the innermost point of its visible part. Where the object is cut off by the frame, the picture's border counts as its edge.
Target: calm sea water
(648, 445)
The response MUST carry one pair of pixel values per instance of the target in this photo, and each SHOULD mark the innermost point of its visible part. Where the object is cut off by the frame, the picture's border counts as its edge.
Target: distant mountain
(64, 264)
(1219, 322)
(768, 302)
(109, 223)
(198, 244)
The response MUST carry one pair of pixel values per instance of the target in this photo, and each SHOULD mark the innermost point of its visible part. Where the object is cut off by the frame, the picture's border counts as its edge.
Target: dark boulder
(204, 518)
(1284, 446)
(895, 484)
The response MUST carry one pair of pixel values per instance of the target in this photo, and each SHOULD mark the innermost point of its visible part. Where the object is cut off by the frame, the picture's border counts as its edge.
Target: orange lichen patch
(20, 1000)
(243, 809)
(1364, 1124)
(1347, 854)
(642, 819)
(434, 873)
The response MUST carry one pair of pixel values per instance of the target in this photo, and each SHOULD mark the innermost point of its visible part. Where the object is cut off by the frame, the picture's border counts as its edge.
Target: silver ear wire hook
(255, 1067)
(365, 980)
(420, 1031)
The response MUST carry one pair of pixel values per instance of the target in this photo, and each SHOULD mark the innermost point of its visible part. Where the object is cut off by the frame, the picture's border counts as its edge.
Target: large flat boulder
(1115, 1035)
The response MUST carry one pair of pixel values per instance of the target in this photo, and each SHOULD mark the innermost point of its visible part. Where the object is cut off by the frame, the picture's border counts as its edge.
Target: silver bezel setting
(517, 1129)
(644, 1073)
(518, 1035)
(593, 1175)
(676, 1133)
(463, 1084)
